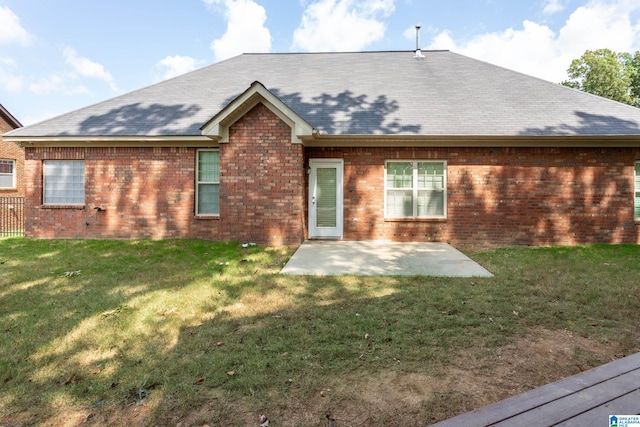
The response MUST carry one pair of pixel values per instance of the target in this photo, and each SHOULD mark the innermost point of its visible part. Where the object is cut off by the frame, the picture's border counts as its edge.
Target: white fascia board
(112, 141)
(581, 141)
(218, 126)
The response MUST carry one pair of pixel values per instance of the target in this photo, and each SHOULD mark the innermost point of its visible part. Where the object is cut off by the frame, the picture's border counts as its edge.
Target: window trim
(415, 190)
(44, 183)
(13, 174)
(197, 183)
(636, 190)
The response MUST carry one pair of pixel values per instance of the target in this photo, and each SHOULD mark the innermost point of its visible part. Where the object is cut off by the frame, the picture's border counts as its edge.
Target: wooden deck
(583, 400)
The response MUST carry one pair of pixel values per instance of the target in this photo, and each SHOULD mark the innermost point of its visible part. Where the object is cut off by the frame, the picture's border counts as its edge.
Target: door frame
(333, 232)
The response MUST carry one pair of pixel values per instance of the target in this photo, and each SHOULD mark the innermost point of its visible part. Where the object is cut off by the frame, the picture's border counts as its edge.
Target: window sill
(415, 220)
(76, 207)
(206, 217)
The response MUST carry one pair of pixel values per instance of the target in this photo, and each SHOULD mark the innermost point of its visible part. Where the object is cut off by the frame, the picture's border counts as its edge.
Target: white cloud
(342, 25)
(176, 65)
(8, 61)
(10, 82)
(58, 83)
(373, 7)
(69, 81)
(87, 68)
(536, 50)
(246, 31)
(10, 29)
(410, 33)
(552, 6)
(602, 24)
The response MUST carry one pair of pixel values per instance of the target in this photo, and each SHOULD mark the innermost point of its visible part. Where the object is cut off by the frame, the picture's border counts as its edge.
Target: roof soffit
(218, 126)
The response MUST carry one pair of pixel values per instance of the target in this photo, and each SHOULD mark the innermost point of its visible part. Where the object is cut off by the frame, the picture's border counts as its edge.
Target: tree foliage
(607, 73)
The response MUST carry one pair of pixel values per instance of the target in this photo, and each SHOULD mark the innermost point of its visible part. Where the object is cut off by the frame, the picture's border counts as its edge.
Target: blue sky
(57, 56)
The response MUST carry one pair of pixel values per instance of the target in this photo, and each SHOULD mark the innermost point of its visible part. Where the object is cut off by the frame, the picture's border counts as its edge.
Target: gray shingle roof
(383, 93)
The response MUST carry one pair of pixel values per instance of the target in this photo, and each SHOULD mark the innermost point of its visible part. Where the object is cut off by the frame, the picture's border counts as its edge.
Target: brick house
(11, 158)
(279, 148)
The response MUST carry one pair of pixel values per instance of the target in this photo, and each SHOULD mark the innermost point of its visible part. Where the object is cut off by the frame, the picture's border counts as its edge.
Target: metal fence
(11, 216)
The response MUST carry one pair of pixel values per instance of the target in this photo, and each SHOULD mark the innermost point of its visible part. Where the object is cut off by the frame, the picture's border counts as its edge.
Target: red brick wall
(496, 196)
(11, 151)
(262, 191)
(146, 193)
(149, 192)
(500, 196)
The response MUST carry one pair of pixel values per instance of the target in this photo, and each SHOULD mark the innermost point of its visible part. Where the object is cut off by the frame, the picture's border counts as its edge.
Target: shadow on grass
(94, 321)
(279, 359)
(190, 324)
(72, 310)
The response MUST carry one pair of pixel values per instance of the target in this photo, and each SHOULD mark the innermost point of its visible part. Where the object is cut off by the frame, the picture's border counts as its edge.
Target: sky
(58, 56)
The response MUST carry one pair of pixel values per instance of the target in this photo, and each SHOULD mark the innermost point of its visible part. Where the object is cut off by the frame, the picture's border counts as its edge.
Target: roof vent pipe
(418, 53)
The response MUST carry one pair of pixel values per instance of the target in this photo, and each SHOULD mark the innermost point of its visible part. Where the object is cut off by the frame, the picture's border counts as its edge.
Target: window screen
(208, 183)
(415, 189)
(7, 174)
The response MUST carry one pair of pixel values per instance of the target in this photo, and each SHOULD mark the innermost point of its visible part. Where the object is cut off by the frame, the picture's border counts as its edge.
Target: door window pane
(326, 197)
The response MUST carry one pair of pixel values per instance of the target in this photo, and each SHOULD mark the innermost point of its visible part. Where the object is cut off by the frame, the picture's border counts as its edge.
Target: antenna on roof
(418, 53)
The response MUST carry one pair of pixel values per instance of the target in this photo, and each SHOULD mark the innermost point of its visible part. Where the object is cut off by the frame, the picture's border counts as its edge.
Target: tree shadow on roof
(350, 114)
(590, 124)
(347, 113)
(136, 119)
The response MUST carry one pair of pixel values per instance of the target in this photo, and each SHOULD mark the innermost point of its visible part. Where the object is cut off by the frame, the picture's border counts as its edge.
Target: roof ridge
(342, 52)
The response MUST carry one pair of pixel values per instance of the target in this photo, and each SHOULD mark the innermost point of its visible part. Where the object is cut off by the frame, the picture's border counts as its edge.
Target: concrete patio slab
(375, 258)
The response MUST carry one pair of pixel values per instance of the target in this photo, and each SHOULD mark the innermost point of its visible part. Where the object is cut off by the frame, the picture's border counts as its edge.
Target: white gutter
(112, 141)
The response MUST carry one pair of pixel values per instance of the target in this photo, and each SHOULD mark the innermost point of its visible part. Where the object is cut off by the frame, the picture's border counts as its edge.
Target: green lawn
(197, 332)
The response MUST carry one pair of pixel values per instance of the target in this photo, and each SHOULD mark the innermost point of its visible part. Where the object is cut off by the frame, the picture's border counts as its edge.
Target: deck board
(628, 404)
(591, 395)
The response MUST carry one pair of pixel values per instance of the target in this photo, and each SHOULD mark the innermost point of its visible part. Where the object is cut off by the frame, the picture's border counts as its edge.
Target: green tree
(635, 78)
(607, 73)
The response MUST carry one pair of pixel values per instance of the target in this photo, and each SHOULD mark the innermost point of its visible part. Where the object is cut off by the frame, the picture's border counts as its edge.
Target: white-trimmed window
(7, 173)
(636, 198)
(63, 182)
(415, 189)
(208, 182)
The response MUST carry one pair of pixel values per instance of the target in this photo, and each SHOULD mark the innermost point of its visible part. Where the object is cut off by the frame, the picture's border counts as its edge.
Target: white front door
(325, 198)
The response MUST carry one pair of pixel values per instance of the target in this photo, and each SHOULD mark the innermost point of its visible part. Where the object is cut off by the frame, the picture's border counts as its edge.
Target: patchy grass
(196, 332)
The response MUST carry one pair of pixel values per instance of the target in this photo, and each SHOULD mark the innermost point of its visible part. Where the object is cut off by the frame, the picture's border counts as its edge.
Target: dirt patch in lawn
(488, 375)
(474, 378)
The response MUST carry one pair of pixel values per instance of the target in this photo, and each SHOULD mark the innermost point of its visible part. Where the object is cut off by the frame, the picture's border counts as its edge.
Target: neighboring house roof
(365, 93)
(8, 117)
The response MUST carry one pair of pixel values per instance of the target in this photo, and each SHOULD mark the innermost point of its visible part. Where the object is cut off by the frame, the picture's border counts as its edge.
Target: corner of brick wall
(12, 151)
